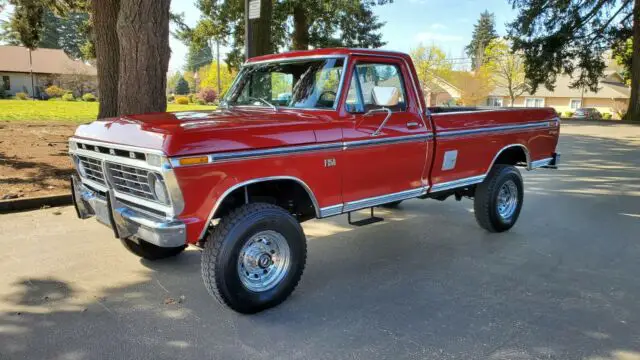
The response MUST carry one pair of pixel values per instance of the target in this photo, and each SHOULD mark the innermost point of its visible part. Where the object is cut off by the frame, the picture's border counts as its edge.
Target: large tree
(506, 68)
(131, 47)
(483, 32)
(67, 32)
(295, 24)
(570, 37)
(431, 63)
(198, 56)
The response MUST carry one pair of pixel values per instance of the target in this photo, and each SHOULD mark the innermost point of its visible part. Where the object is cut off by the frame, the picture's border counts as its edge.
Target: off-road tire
(391, 205)
(222, 250)
(485, 203)
(150, 251)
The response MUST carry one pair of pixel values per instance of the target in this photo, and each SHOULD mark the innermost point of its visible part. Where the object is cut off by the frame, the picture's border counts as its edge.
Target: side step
(367, 221)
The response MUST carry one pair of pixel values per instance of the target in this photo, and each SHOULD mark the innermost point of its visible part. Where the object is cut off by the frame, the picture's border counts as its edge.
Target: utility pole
(218, 65)
(33, 87)
(257, 31)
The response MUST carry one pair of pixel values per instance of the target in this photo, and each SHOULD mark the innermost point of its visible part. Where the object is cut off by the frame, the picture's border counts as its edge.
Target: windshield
(306, 84)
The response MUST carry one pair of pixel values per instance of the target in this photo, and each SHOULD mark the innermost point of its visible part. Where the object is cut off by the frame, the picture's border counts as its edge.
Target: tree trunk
(300, 28)
(143, 33)
(633, 112)
(105, 16)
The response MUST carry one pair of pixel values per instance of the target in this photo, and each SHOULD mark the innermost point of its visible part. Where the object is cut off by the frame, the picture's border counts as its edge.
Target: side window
(371, 79)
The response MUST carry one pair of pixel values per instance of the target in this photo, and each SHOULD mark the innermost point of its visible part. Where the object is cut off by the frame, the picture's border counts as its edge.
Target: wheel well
(286, 193)
(514, 155)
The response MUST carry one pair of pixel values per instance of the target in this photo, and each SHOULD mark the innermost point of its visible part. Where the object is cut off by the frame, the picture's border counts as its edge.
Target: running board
(367, 221)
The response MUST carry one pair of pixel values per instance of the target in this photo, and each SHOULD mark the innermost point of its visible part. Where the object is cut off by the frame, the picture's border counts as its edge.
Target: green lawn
(72, 111)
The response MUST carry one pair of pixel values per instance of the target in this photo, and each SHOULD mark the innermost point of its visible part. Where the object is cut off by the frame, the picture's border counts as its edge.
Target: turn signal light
(194, 160)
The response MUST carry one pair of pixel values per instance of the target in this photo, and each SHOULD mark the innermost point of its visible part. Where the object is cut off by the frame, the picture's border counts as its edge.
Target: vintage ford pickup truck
(298, 136)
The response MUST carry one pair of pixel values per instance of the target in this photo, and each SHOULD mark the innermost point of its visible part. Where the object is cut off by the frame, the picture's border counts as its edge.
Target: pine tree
(483, 32)
(182, 87)
(198, 56)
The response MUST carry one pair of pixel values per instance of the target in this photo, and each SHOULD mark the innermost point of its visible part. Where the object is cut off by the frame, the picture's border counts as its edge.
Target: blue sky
(447, 23)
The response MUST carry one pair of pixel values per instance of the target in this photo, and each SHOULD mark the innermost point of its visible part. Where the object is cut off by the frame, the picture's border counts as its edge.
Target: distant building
(50, 66)
(612, 96)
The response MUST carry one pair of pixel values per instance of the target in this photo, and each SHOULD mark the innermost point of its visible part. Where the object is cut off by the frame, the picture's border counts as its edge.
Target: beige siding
(562, 104)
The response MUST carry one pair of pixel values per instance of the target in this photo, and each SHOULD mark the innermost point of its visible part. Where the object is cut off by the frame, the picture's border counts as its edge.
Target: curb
(599, 122)
(14, 205)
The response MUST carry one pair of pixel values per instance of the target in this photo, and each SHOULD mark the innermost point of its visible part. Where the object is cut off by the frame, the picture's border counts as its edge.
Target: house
(612, 96)
(50, 66)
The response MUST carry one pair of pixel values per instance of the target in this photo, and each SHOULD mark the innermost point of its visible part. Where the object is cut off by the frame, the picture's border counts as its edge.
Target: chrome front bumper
(125, 221)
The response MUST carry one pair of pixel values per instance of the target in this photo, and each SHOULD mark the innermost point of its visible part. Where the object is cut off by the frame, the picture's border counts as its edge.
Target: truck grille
(92, 169)
(130, 180)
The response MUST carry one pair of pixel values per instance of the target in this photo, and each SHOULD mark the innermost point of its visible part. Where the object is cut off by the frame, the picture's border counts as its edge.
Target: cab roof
(328, 51)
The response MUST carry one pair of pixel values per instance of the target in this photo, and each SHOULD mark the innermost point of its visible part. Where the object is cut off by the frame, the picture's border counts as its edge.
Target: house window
(575, 104)
(534, 102)
(494, 101)
(6, 83)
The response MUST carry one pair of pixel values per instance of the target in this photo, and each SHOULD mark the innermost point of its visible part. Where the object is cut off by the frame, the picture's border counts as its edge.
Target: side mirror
(387, 96)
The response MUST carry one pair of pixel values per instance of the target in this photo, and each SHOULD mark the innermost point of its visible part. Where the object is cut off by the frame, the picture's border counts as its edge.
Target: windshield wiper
(275, 108)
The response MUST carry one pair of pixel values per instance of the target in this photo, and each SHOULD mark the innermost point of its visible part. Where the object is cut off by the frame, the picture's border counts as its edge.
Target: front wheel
(254, 258)
(498, 199)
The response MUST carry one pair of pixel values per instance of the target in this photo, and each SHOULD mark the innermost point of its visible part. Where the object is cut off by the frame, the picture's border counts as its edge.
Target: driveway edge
(14, 205)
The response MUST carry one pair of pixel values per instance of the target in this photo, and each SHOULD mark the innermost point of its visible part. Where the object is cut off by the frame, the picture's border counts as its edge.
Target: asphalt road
(427, 283)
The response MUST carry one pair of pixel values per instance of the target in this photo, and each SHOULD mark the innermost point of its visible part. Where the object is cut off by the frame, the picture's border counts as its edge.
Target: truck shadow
(426, 283)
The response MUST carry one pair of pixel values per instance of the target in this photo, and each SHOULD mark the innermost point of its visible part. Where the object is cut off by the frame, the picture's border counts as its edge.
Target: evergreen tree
(182, 87)
(68, 32)
(483, 32)
(571, 36)
(198, 56)
(295, 24)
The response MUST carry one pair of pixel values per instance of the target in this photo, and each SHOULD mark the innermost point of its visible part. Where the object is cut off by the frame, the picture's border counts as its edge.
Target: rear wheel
(498, 199)
(254, 258)
(149, 251)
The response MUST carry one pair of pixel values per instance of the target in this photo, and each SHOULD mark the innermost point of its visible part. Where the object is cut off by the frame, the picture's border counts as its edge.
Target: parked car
(238, 181)
(587, 113)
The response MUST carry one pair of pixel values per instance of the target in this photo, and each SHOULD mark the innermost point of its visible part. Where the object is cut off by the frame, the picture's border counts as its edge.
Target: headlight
(154, 160)
(73, 145)
(80, 167)
(158, 188)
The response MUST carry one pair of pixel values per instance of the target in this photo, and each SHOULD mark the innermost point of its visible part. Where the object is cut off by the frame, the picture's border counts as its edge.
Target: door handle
(413, 124)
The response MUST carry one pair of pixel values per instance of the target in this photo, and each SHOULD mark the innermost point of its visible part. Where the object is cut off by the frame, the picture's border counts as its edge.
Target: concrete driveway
(427, 283)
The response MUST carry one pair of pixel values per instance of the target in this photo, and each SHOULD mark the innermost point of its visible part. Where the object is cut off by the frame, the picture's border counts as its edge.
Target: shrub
(208, 95)
(200, 102)
(55, 91)
(182, 100)
(171, 98)
(567, 114)
(3, 94)
(22, 96)
(68, 97)
(192, 98)
(606, 116)
(89, 97)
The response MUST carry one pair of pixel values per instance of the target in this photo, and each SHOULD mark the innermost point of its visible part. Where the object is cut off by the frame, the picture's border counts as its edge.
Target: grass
(65, 111)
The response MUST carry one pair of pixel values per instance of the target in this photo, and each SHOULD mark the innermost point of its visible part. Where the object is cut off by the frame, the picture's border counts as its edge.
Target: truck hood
(190, 133)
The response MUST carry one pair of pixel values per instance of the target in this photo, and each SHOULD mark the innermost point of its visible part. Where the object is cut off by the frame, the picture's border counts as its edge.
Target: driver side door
(385, 144)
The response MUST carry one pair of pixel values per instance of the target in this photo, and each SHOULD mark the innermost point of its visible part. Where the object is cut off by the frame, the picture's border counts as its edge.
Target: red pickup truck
(298, 136)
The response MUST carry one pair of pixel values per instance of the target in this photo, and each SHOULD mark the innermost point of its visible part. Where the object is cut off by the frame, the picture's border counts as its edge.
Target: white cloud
(434, 36)
(437, 26)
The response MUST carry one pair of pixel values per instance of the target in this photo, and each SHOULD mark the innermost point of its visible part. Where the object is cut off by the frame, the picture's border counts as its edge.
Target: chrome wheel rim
(264, 261)
(507, 199)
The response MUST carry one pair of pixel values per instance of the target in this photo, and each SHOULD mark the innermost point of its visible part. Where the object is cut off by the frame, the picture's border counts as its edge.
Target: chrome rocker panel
(124, 221)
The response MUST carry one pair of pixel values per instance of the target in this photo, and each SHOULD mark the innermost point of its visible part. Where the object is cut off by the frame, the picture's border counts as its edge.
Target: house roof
(608, 88)
(45, 61)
